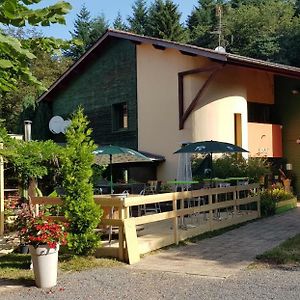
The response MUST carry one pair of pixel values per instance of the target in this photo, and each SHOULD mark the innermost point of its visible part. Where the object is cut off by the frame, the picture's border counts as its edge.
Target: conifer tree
(80, 209)
(98, 26)
(81, 32)
(164, 21)
(138, 22)
(86, 30)
(203, 22)
(118, 23)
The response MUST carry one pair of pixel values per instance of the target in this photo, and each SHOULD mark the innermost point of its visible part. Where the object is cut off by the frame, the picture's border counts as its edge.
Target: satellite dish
(56, 124)
(220, 49)
(66, 124)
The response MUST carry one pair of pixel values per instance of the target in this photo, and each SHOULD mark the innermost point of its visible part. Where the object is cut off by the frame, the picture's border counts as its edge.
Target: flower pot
(45, 260)
(24, 249)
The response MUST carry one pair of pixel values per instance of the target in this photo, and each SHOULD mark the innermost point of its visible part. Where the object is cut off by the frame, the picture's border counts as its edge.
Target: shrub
(233, 165)
(80, 209)
(269, 198)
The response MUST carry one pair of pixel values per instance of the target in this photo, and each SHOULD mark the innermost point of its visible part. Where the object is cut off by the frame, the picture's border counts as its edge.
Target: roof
(153, 157)
(226, 58)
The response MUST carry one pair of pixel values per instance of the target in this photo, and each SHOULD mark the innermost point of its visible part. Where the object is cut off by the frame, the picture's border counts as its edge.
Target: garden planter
(45, 260)
(24, 249)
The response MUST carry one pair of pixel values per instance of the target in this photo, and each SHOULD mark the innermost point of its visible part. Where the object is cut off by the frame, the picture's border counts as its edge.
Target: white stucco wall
(213, 117)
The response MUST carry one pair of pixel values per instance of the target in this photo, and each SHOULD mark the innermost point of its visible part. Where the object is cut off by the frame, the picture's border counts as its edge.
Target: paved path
(226, 254)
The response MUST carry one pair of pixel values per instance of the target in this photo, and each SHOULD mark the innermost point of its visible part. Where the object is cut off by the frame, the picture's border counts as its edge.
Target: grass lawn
(286, 253)
(15, 266)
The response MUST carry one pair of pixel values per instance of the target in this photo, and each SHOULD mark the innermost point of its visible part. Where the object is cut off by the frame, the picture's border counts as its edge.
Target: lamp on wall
(298, 140)
(295, 91)
(289, 167)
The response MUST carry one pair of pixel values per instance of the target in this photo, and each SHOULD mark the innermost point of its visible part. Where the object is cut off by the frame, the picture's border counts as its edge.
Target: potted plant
(44, 236)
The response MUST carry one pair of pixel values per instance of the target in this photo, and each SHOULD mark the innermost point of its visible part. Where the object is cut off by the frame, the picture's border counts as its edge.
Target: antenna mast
(219, 14)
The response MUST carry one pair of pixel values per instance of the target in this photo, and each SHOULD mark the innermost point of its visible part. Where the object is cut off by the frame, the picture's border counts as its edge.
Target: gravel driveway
(125, 283)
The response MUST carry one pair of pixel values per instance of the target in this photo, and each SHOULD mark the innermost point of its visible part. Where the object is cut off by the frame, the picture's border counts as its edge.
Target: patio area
(182, 215)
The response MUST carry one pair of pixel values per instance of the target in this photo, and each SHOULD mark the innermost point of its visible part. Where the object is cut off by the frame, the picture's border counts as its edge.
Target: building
(152, 95)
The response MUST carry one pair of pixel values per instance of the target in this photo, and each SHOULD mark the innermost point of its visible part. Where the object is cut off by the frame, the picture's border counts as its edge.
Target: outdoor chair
(150, 189)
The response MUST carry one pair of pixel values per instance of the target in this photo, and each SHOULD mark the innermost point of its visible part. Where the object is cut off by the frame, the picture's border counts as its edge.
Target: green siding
(288, 106)
(41, 118)
(109, 79)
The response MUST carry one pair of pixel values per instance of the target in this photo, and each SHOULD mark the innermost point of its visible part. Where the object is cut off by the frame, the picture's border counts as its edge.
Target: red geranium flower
(38, 230)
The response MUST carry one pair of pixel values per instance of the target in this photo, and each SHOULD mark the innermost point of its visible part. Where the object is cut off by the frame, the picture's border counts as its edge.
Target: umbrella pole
(111, 191)
(111, 176)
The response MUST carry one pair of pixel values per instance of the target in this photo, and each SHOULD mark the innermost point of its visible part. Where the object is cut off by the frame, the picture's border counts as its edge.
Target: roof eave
(277, 70)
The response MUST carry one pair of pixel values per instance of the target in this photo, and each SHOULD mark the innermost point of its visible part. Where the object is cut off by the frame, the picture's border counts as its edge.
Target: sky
(109, 8)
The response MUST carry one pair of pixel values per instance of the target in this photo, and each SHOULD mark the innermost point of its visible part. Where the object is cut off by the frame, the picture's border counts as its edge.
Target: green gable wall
(109, 79)
(288, 106)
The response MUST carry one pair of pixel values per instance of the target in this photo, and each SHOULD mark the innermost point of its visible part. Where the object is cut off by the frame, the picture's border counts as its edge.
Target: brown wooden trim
(169, 44)
(276, 70)
(183, 115)
(199, 70)
(187, 53)
(183, 48)
(180, 98)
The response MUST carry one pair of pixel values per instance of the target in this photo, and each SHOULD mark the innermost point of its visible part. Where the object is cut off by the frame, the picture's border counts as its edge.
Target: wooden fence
(212, 209)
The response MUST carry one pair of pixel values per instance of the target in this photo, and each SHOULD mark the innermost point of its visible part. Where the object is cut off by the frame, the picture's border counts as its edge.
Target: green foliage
(286, 253)
(271, 19)
(46, 68)
(79, 206)
(97, 173)
(269, 198)
(29, 159)
(233, 165)
(118, 23)
(164, 21)
(256, 168)
(14, 57)
(138, 22)
(87, 31)
(202, 22)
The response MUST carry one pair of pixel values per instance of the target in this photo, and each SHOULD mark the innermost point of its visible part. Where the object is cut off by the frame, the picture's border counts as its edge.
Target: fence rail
(212, 208)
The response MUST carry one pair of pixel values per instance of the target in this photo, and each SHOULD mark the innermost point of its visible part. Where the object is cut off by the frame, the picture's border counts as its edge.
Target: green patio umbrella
(210, 147)
(110, 154)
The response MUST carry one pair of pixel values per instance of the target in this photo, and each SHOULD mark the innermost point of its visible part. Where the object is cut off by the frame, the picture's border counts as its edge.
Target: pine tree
(203, 22)
(138, 22)
(118, 23)
(98, 26)
(164, 21)
(81, 32)
(87, 31)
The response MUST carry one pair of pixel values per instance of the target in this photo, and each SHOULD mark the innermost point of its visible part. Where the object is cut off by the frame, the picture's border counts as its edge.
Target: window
(120, 116)
(262, 113)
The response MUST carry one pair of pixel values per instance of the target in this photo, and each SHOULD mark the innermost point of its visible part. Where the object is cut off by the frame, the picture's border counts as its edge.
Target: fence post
(121, 229)
(175, 221)
(257, 191)
(235, 202)
(210, 211)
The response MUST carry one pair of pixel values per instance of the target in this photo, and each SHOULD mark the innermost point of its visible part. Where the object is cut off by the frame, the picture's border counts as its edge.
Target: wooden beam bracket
(184, 114)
